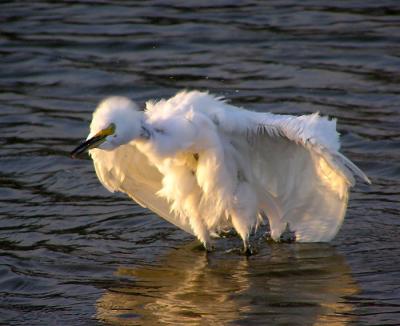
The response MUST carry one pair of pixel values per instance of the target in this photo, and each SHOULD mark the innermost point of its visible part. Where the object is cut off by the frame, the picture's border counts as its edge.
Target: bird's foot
(208, 247)
(249, 250)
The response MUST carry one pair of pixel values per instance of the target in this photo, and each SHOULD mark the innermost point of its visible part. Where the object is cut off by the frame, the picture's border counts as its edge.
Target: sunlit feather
(205, 166)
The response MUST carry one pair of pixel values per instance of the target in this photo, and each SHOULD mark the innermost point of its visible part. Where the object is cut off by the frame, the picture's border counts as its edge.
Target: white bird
(207, 166)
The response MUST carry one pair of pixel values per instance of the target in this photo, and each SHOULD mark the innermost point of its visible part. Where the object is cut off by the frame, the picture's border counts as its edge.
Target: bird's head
(116, 121)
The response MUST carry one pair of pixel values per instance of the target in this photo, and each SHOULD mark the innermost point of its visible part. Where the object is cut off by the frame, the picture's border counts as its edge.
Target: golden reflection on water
(293, 284)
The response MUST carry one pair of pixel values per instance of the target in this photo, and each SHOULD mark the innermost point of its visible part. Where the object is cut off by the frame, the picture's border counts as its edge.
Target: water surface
(73, 254)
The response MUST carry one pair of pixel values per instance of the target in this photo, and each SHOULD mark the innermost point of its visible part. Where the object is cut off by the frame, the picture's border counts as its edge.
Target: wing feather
(298, 163)
(302, 178)
(127, 170)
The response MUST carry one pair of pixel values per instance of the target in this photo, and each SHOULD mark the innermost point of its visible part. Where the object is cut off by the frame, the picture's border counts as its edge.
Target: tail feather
(343, 164)
(352, 167)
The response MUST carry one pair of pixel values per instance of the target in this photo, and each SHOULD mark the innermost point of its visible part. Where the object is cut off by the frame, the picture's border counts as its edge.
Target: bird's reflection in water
(293, 284)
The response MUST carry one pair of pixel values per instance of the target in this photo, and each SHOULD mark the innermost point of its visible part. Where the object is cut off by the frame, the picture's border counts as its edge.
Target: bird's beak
(88, 144)
(94, 141)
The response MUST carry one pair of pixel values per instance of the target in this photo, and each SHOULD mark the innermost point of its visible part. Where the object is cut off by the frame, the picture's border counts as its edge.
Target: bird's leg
(248, 249)
(208, 246)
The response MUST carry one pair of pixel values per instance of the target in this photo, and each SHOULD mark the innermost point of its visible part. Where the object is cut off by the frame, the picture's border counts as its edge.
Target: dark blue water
(73, 254)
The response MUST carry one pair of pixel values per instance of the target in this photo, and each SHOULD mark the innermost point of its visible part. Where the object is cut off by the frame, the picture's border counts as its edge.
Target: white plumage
(205, 165)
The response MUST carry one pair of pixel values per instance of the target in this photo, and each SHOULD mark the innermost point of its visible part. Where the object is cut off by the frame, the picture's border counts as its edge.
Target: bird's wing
(302, 178)
(127, 170)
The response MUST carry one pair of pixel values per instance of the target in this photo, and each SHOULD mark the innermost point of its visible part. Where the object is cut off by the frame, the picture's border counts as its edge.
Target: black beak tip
(85, 146)
(75, 154)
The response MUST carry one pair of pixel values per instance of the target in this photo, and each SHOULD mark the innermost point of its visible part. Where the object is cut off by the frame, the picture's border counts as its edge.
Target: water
(73, 254)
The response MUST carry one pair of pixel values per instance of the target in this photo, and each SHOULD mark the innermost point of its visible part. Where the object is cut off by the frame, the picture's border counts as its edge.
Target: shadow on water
(285, 284)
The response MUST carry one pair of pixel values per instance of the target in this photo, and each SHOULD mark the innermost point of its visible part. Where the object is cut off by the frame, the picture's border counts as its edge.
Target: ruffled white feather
(208, 166)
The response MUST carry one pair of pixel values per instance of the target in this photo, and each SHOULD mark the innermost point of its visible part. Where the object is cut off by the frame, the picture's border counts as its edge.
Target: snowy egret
(207, 166)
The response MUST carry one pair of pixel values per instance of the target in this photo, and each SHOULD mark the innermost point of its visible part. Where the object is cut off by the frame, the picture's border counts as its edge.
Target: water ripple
(72, 253)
